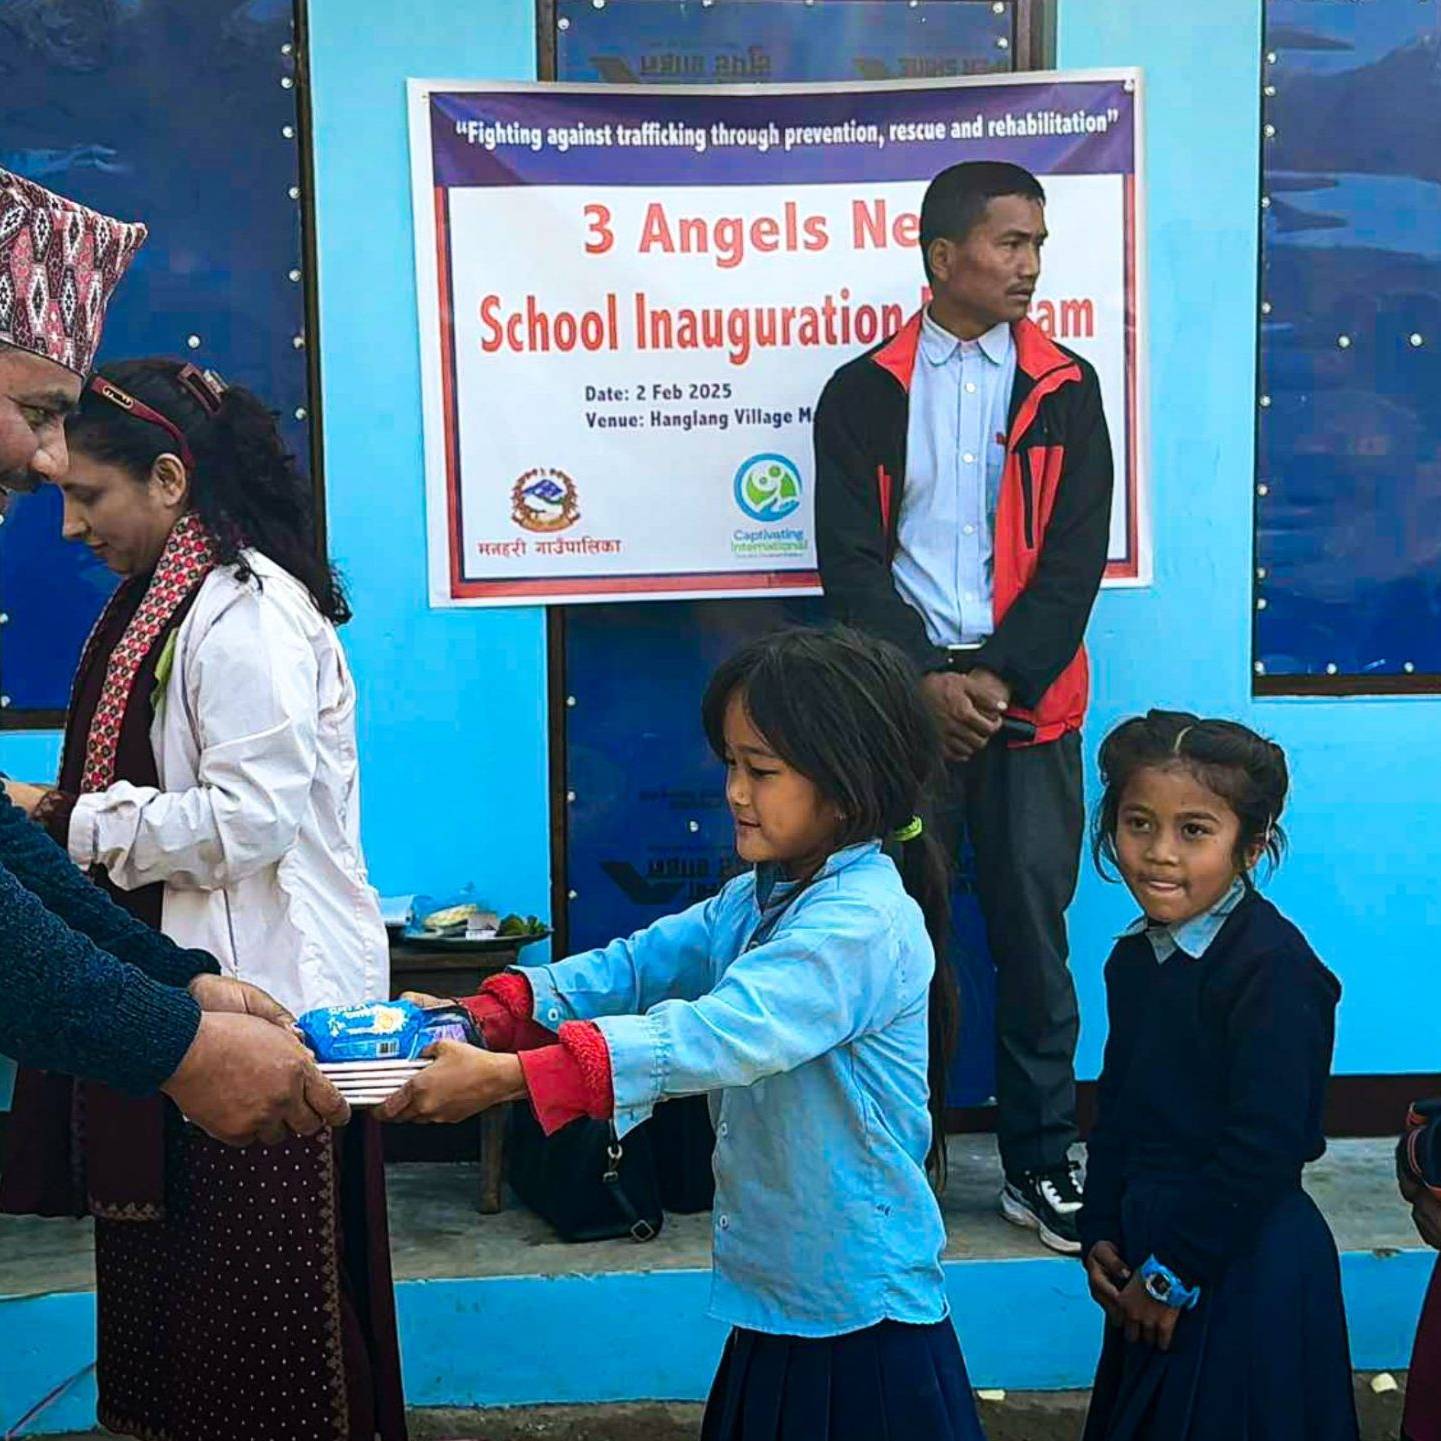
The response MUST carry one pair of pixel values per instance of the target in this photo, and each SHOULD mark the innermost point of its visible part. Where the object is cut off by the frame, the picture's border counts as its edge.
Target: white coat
(255, 829)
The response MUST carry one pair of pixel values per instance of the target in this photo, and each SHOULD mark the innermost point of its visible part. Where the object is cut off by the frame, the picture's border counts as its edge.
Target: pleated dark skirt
(890, 1382)
(1263, 1357)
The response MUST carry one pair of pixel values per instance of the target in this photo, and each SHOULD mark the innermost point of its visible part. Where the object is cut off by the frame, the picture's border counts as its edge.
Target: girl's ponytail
(926, 875)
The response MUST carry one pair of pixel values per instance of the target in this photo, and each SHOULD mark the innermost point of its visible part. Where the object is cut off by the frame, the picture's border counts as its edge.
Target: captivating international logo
(768, 487)
(544, 499)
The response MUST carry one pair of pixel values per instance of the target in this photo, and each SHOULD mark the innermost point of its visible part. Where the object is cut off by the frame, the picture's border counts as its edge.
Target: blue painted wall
(453, 715)
(453, 703)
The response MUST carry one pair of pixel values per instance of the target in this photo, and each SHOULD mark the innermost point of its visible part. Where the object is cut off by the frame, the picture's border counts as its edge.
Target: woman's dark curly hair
(246, 485)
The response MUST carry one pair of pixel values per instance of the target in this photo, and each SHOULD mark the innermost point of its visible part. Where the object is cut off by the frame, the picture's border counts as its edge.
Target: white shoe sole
(1021, 1215)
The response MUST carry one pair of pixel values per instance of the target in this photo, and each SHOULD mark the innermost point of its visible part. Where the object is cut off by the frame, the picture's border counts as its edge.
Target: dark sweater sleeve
(1279, 1031)
(1038, 637)
(1105, 1147)
(47, 872)
(851, 541)
(65, 1005)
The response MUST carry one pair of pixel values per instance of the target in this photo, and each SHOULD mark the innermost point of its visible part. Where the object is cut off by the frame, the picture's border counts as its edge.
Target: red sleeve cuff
(503, 1010)
(571, 1079)
(497, 1025)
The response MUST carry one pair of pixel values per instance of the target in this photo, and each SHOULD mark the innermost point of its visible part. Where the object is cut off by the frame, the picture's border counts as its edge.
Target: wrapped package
(383, 1030)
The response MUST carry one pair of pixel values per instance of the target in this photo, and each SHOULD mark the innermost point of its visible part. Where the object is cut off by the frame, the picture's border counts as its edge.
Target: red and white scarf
(188, 557)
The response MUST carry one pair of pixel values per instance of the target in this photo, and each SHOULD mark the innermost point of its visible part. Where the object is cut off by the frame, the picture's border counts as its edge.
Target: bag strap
(640, 1228)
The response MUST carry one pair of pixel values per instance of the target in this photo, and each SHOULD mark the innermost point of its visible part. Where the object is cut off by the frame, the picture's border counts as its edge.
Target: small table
(443, 971)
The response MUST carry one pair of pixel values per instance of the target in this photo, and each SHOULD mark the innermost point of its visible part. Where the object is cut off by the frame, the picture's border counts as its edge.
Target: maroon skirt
(1423, 1386)
(261, 1305)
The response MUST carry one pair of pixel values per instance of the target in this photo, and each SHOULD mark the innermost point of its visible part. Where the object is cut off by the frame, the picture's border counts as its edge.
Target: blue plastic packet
(450, 1023)
(372, 1031)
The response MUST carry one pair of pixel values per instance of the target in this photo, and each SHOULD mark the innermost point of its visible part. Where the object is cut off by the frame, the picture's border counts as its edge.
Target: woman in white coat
(210, 782)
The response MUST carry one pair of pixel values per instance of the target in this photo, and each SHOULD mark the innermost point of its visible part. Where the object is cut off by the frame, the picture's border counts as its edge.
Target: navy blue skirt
(890, 1382)
(1264, 1355)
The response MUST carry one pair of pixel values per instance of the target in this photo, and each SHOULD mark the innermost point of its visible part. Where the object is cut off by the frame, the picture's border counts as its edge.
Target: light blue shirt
(1193, 936)
(955, 456)
(812, 1046)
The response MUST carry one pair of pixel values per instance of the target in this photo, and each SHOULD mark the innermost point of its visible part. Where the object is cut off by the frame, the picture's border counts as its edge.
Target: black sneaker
(1047, 1202)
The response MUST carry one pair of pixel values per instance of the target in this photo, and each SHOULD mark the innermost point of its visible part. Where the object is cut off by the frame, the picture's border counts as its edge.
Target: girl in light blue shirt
(805, 1000)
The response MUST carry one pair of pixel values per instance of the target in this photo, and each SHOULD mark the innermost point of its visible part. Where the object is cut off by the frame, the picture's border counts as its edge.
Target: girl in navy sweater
(1217, 1274)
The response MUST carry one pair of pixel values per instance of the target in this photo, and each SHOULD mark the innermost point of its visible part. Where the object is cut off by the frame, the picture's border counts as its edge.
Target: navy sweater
(1214, 1075)
(85, 988)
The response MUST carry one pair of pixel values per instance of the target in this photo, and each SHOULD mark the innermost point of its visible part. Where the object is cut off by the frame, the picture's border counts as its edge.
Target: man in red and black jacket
(963, 500)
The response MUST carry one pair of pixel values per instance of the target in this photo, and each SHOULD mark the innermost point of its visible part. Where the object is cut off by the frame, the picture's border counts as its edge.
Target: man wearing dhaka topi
(85, 989)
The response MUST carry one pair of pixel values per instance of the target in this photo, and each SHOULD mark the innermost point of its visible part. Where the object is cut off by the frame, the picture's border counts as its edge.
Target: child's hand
(425, 1002)
(460, 1081)
(1144, 1318)
(1107, 1273)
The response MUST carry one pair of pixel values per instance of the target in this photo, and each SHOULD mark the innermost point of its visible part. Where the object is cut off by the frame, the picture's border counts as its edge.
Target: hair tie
(909, 831)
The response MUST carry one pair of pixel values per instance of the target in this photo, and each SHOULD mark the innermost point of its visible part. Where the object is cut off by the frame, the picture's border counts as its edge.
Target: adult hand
(990, 693)
(459, 1081)
(24, 795)
(245, 1079)
(237, 997)
(1107, 1274)
(1143, 1317)
(968, 710)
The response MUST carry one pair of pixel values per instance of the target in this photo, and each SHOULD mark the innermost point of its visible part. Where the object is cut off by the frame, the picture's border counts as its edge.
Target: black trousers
(1022, 810)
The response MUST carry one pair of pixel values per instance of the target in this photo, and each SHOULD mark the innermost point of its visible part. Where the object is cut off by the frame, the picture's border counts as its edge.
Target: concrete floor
(1018, 1416)
(436, 1231)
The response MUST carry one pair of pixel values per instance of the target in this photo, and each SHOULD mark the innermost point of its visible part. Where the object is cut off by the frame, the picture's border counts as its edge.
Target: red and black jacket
(1052, 518)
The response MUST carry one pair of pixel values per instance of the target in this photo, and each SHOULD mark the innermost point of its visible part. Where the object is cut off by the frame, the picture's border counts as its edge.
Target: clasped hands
(969, 707)
(1120, 1293)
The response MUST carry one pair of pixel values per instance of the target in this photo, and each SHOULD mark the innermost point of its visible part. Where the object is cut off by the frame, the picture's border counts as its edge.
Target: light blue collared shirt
(1193, 936)
(955, 456)
(807, 1028)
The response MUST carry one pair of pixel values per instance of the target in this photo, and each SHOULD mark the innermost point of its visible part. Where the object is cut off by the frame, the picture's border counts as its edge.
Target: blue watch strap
(1164, 1285)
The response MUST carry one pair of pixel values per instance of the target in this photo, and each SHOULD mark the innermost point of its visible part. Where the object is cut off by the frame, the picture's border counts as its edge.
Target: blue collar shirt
(960, 400)
(1194, 937)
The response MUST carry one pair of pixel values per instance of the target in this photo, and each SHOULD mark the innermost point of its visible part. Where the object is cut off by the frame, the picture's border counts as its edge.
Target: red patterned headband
(107, 390)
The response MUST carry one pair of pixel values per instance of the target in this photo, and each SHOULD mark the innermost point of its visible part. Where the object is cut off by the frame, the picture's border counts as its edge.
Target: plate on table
(417, 938)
